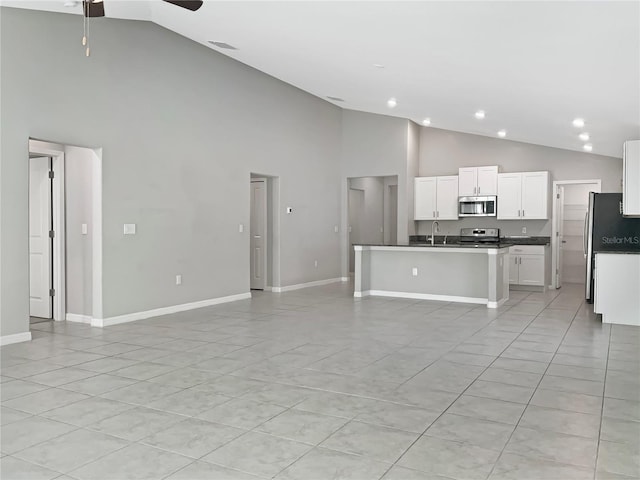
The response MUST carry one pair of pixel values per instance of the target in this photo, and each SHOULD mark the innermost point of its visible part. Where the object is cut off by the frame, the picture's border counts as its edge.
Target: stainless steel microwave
(477, 206)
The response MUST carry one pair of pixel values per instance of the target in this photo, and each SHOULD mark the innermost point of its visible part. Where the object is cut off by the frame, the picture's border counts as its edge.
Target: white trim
(554, 228)
(497, 304)
(132, 317)
(298, 286)
(268, 288)
(96, 247)
(423, 296)
(15, 338)
(56, 152)
(77, 318)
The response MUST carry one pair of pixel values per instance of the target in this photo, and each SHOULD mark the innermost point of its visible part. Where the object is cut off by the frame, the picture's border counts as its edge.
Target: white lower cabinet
(527, 265)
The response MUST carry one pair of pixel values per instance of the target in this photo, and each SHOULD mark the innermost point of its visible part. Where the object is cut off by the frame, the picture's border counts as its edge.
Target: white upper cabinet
(477, 181)
(424, 196)
(447, 198)
(523, 196)
(436, 198)
(535, 195)
(631, 179)
(509, 196)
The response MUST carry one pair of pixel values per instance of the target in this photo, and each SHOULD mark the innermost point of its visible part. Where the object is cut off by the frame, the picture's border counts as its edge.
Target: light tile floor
(315, 384)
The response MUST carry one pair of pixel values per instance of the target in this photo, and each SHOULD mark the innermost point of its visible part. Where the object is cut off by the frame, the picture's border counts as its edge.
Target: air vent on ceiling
(222, 45)
(335, 99)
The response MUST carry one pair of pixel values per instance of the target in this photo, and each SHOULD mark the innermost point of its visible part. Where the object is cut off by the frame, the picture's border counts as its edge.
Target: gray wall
(181, 129)
(442, 152)
(79, 163)
(373, 220)
(375, 146)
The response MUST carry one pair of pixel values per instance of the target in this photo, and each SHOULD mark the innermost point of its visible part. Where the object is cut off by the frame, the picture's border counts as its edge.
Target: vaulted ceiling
(531, 66)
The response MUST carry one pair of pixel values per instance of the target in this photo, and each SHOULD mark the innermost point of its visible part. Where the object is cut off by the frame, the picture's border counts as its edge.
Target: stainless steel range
(479, 236)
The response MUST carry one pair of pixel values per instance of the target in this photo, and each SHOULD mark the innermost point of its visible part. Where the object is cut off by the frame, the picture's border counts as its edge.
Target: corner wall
(179, 139)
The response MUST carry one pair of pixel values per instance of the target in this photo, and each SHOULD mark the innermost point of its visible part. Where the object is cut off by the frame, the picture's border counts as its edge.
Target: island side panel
(362, 272)
(498, 278)
(440, 273)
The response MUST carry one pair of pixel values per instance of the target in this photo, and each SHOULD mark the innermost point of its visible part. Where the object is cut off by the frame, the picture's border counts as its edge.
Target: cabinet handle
(523, 213)
(520, 262)
(478, 190)
(474, 190)
(515, 260)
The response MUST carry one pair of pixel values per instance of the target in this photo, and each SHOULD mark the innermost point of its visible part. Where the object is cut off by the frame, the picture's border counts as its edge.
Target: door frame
(554, 219)
(267, 244)
(56, 153)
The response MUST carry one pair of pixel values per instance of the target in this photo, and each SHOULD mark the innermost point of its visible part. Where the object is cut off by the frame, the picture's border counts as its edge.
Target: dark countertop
(455, 239)
(622, 252)
(440, 245)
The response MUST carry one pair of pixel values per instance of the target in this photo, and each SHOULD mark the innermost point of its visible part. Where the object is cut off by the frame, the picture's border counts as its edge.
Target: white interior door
(258, 233)
(40, 269)
(560, 235)
(356, 216)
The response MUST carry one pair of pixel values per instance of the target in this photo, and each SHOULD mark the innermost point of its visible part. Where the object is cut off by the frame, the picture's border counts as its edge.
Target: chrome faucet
(434, 229)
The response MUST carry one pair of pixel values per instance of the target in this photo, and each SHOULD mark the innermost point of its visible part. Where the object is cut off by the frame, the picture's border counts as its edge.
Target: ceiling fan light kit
(95, 8)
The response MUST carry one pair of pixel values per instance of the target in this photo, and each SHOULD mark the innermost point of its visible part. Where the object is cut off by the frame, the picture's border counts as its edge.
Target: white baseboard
(132, 317)
(344, 279)
(75, 317)
(268, 288)
(15, 338)
(497, 304)
(317, 283)
(421, 296)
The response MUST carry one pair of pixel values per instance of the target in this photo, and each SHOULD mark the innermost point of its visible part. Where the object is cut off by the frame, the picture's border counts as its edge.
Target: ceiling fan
(95, 8)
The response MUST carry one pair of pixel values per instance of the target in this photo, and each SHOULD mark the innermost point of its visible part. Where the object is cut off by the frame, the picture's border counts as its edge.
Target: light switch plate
(84, 229)
(414, 271)
(240, 228)
(129, 228)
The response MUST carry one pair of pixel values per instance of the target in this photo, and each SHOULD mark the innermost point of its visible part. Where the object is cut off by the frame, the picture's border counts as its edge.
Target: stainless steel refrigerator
(606, 230)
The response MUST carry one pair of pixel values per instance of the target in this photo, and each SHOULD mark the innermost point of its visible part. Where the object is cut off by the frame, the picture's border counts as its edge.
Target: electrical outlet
(414, 271)
(524, 229)
(178, 279)
(129, 228)
(289, 210)
(240, 228)
(315, 263)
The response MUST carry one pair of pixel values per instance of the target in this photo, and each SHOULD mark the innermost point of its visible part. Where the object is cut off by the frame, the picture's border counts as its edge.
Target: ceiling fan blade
(192, 5)
(93, 9)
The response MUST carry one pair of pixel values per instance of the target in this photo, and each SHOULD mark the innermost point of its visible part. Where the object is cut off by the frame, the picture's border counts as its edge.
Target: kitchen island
(451, 273)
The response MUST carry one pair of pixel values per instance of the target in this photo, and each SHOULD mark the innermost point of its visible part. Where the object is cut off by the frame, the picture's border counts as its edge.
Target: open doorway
(570, 206)
(264, 221)
(65, 232)
(41, 238)
(372, 212)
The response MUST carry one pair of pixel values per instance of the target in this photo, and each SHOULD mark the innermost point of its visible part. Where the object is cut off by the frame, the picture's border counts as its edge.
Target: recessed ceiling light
(335, 99)
(224, 45)
(578, 122)
(502, 133)
(378, 65)
(479, 114)
(426, 122)
(392, 102)
(584, 136)
(587, 147)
